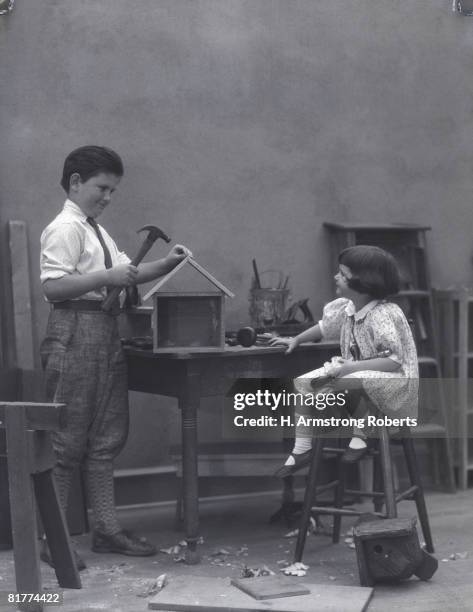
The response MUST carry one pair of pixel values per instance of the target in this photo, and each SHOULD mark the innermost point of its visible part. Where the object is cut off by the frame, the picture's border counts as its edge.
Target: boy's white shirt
(69, 245)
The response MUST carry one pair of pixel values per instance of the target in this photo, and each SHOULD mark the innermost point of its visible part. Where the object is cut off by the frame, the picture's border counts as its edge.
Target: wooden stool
(383, 489)
(30, 461)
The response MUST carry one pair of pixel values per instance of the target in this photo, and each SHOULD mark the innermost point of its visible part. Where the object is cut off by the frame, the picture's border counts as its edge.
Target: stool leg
(308, 499)
(413, 470)
(377, 483)
(447, 463)
(388, 475)
(338, 502)
(433, 449)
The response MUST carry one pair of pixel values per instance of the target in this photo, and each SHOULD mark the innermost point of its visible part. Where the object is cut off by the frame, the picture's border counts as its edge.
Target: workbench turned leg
(189, 401)
(24, 530)
(55, 528)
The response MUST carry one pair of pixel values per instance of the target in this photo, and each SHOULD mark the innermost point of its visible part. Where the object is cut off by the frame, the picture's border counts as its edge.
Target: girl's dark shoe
(300, 461)
(352, 455)
(123, 543)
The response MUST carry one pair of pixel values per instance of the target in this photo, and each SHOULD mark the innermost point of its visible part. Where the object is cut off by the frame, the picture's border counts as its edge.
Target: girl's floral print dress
(379, 326)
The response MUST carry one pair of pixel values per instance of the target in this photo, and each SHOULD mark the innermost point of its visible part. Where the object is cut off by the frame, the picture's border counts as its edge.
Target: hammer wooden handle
(154, 234)
(115, 292)
(111, 298)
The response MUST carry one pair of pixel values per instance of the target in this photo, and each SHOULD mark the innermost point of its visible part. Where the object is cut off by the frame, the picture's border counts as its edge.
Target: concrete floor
(236, 533)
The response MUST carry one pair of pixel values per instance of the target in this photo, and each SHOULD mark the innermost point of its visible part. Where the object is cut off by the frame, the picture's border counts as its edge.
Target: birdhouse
(188, 310)
(389, 550)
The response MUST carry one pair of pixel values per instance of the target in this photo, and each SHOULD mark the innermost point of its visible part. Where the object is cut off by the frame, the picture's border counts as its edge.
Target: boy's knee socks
(101, 498)
(63, 479)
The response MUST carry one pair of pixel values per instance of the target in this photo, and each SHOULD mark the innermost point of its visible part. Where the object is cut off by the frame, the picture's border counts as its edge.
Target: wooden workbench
(189, 377)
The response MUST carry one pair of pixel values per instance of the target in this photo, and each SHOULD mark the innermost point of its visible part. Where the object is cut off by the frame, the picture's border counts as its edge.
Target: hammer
(153, 234)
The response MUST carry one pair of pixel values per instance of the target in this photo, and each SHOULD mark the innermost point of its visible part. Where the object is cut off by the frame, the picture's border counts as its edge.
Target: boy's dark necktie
(108, 259)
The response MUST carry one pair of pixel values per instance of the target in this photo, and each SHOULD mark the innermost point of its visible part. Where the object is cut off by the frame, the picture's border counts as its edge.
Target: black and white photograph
(236, 306)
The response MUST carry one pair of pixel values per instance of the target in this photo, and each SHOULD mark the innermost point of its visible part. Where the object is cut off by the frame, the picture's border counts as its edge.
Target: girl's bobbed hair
(375, 271)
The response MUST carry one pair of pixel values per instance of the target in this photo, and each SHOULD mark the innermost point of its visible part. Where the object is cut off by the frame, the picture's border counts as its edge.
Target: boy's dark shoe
(300, 461)
(123, 543)
(45, 555)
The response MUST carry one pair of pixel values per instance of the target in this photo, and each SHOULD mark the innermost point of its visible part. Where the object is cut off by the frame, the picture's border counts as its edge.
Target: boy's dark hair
(375, 271)
(88, 162)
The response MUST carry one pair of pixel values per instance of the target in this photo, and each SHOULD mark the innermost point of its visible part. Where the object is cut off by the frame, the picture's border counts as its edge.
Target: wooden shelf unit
(408, 244)
(455, 320)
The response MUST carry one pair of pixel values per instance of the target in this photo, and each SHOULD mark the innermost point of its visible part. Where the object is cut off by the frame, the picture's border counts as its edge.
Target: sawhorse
(30, 460)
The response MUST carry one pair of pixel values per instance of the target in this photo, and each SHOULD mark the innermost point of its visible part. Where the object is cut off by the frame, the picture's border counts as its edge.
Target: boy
(81, 353)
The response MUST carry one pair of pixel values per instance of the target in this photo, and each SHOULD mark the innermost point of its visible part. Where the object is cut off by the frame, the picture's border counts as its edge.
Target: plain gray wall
(243, 125)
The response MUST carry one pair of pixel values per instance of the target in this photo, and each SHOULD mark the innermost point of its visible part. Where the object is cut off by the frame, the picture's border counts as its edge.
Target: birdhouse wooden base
(389, 551)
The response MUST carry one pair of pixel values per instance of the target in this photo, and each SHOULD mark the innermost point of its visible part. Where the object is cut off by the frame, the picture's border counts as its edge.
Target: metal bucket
(267, 306)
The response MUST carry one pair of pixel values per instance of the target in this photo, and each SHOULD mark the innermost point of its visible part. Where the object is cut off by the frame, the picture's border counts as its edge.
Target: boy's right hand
(122, 275)
(177, 254)
(291, 343)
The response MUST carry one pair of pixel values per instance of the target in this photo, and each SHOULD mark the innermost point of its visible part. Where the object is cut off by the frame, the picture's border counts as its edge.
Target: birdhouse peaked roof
(192, 262)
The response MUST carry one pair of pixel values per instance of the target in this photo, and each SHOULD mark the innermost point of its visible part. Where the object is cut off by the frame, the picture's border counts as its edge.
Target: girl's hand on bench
(291, 343)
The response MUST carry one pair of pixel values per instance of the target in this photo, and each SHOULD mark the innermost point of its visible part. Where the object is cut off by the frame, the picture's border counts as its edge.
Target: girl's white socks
(357, 443)
(301, 445)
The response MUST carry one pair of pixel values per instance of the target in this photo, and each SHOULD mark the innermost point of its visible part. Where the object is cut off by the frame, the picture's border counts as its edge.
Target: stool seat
(383, 492)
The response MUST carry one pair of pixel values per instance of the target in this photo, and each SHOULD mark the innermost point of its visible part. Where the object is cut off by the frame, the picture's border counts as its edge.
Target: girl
(367, 326)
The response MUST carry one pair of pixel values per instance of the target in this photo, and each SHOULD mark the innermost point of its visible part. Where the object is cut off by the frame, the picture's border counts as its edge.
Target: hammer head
(154, 233)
